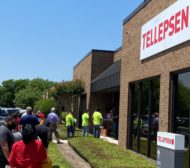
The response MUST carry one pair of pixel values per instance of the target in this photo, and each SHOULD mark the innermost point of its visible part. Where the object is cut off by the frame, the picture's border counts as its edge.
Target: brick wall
(162, 65)
(101, 61)
(90, 67)
(118, 55)
(83, 71)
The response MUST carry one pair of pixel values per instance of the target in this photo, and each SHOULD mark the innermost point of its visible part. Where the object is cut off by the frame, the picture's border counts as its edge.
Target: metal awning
(110, 78)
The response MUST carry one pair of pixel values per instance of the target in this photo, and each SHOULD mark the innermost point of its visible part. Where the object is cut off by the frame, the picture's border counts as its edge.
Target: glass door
(181, 110)
(144, 116)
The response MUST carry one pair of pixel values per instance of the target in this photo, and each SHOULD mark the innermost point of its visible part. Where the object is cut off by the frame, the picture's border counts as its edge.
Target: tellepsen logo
(166, 140)
(170, 28)
(176, 23)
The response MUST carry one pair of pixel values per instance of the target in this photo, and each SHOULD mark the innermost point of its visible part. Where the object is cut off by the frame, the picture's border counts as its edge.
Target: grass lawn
(57, 158)
(63, 132)
(101, 154)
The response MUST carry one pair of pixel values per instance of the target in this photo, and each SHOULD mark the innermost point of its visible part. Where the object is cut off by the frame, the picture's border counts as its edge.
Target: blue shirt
(52, 118)
(29, 119)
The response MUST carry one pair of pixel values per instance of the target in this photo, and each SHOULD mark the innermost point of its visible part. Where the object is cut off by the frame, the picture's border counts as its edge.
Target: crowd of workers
(24, 139)
(96, 118)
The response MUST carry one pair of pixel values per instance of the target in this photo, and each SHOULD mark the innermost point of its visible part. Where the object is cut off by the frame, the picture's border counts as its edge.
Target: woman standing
(28, 153)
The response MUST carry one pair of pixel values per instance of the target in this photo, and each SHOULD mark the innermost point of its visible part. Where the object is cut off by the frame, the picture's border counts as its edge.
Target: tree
(40, 84)
(64, 91)
(27, 97)
(32, 93)
(8, 90)
(44, 105)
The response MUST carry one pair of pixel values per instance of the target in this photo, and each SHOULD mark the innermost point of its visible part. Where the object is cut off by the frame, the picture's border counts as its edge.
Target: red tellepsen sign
(169, 28)
(176, 23)
(166, 140)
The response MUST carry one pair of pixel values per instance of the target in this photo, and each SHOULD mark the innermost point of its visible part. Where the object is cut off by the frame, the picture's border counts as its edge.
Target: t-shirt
(97, 118)
(29, 119)
(17, 136)
(69, 120)
(5, 135)
(52, 118)
(27, 155)
(85, 119)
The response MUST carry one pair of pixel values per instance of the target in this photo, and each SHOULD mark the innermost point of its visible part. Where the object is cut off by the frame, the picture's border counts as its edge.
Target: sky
(46, 38)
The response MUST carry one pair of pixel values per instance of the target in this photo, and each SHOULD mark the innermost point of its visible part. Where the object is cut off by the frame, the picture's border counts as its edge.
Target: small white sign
(166, 30)
(171, 141)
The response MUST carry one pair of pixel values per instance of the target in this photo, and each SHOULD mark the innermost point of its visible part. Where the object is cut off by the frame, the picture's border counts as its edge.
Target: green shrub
(44, 105)
(101, 154)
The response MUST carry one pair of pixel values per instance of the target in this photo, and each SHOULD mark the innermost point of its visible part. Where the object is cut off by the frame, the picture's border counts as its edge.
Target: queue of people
(24, 140)
(97, 122)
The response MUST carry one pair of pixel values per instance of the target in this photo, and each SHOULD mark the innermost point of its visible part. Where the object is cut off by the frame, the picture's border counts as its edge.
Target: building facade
(154, 76)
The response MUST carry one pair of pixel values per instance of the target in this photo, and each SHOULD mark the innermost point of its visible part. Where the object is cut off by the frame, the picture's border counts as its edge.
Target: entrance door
(144, 116)
(181, 110)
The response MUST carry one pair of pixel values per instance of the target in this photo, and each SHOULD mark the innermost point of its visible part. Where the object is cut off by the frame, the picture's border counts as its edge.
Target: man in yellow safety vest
(85, 123)
(97, 121)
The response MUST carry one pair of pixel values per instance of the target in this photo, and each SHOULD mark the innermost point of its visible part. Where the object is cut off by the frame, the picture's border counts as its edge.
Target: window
(144, 116)
(181, 110)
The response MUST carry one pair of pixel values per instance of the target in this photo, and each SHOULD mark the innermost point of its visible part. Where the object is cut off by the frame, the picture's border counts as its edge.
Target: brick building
(148, 78)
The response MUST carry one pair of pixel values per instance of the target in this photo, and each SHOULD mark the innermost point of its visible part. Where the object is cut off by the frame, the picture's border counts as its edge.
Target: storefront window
(144, 116)
(182, 109)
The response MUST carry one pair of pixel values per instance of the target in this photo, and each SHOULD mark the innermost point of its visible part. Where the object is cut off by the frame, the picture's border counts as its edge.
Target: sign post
(170, 150)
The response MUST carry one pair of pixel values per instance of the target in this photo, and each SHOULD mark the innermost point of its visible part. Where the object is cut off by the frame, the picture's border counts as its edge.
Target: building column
(123, 115)
(164, 114)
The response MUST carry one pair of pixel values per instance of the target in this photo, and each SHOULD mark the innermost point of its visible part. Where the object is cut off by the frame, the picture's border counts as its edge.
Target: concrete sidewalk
(71, 156)
(109, 139)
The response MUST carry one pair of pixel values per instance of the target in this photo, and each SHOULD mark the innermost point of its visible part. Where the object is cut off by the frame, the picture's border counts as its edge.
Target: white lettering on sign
(168, 29)
(170, 140)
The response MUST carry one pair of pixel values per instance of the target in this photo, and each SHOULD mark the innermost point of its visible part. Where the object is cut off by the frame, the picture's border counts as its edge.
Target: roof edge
(90, 52)
(138, 9)
(118, 49)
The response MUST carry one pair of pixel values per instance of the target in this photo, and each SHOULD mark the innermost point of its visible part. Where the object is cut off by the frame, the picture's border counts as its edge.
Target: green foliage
(64, 91)
(56, 157)
(68, 87)
(44, 105)
(40, 84)
(22, 93)
(27, 97)
(101, 154)
(8, 90)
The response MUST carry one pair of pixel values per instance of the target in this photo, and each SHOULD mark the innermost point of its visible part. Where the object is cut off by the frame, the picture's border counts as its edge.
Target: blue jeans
(85, 131)
(96, 131)
(70, 131)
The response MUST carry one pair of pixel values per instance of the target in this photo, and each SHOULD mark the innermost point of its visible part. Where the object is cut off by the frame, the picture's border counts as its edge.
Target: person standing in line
(16, 133)
(6, 140)
(85, 123)
(43, 130)
(97, 121)
(54, 122)
(70, 125)
(28, 153)
(29, 118)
